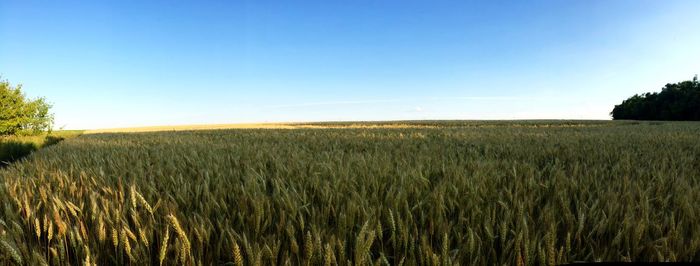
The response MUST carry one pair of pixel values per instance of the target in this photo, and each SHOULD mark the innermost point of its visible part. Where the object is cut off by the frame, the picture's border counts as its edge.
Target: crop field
(408, 193)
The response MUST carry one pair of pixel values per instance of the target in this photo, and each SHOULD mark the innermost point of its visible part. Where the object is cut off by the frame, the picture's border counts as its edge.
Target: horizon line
(296, 124)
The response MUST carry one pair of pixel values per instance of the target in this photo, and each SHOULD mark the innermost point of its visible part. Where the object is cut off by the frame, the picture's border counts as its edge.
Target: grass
(429, 193)
(13, 148)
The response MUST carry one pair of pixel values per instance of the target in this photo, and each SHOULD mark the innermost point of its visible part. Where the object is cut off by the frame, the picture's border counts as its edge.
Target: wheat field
(413, 193)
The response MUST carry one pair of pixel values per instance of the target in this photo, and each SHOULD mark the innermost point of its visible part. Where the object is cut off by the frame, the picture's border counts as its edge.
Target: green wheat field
(393, 193)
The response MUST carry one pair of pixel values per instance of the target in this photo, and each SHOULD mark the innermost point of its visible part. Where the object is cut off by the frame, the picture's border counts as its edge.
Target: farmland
(392, 193)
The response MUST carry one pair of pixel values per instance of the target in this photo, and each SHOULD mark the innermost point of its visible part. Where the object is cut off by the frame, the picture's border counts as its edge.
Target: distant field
(385, 193)
(185, 127)
(379, 124)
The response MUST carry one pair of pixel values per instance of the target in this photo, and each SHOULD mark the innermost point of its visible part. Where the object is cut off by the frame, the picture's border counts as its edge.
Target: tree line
(20, 115)
(677, 101)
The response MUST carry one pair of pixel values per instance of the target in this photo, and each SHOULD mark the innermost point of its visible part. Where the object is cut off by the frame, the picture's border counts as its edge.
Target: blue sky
(136, 63)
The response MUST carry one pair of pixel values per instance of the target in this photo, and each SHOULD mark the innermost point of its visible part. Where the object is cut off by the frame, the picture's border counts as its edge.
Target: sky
(107, 64)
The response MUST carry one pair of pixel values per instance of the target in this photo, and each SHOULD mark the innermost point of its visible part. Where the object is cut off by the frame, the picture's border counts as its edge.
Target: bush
(20, 115)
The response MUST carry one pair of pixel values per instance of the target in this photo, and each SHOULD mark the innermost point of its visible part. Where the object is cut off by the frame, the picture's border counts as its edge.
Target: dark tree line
(678, 101)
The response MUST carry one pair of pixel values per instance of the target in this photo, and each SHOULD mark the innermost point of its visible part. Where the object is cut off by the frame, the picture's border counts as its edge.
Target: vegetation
(473, 193)
(13, 148)
(679, 101)
(25, 124)
(20, 115)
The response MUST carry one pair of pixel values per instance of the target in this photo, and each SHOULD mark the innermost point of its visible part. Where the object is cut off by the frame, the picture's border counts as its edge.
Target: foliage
(20, 115)
(679, 101)
(473, 193)
(13, 148)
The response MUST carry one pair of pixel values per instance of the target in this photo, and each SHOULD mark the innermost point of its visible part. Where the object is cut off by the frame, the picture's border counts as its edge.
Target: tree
(20, 115)
(678, 101)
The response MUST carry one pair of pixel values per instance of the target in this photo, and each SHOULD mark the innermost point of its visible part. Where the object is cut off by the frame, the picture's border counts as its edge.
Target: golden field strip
(244, 126)
(190, 127)
(346, 125)
(385, 193)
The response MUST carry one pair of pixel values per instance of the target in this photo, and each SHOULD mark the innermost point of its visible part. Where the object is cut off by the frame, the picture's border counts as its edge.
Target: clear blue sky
(136, 63)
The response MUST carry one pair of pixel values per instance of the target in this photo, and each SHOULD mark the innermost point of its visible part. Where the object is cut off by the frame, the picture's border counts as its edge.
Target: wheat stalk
(10, 251)
(181, 235)
(126, 245)
(237, 257)
(164, 246)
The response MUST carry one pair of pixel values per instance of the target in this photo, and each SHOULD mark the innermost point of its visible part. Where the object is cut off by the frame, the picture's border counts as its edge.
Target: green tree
(677, 101)
(20, 115)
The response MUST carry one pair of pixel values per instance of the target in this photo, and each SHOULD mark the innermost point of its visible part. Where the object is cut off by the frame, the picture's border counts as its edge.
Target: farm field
(385, 193)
